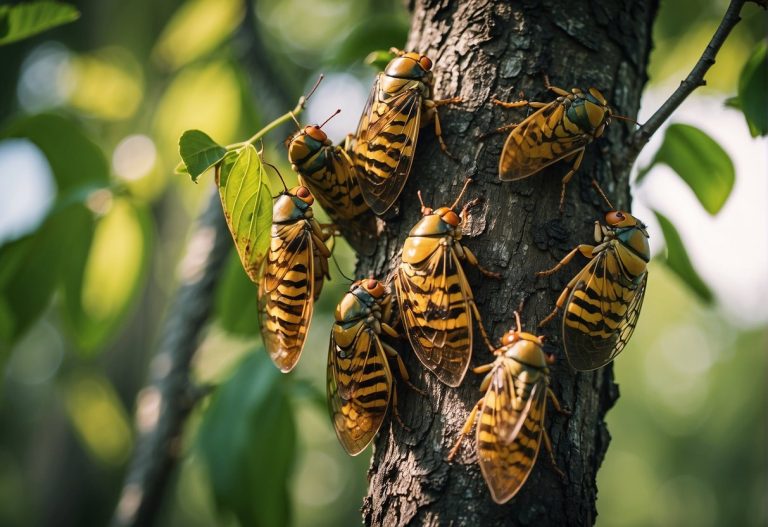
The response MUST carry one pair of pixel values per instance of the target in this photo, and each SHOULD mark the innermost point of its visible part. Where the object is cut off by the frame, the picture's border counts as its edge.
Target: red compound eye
(425, 63)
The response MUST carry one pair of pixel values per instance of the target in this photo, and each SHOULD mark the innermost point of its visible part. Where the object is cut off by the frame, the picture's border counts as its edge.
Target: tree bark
(484, 49)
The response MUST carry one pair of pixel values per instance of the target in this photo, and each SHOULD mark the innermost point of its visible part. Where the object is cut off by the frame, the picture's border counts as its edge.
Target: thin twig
(694, 79)
(163, 406)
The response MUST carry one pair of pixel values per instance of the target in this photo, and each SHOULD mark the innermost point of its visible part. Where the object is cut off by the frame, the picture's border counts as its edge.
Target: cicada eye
(315, 133)
(375, 287)
(451, 218)
(508, 338)
(305, 195)
(425, 63)
(615, 217)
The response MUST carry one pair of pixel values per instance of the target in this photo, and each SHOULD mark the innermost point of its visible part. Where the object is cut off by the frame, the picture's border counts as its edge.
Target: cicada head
(630, 231)
(525, 348)
(292, 205)
(306, 144)
(409, 65)
(373, 287)
(590, 112)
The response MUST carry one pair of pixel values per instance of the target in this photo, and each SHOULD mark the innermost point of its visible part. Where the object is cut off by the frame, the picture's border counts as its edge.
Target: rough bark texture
(482, 49)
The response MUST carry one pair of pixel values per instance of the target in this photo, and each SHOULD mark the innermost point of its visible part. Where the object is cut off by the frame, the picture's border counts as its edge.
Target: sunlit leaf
(677, 260)
(753, 90)
(30, 267)
(700, 161)
(27, 19)
(78, 164)
(199, 152)
(378, 59)
(236, 304)
(247, 204)
(98, 417)
(248, 441)
(197, 27)
(100, 288)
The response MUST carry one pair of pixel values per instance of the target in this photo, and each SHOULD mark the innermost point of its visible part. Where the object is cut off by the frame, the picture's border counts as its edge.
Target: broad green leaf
(753, 90)
(378, 59)
(237, 304)
(196, 28)
(100, 288)
(199, 152)
(247, 204)
(30, 268)
(699, 161)
(677, 260)
(247, 439)
(21, 21)
(78, 164)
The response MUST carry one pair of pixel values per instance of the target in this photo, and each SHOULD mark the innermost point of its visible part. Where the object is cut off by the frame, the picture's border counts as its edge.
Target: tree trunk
(484, 49)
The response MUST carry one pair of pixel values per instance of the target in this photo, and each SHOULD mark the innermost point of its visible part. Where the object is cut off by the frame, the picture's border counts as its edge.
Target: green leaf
(247, 204)
(378, 59)
(677, 260)
(78, 164)
(699, 161)
(753, 90)
(247, 439)
(237, 303)
(21, 21)
(199, 152)
(100, 287)
(30, 267)
(181, 168)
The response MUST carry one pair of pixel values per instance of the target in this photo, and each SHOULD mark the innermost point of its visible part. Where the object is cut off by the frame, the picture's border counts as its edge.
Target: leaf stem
(694, 79)
(271, 126)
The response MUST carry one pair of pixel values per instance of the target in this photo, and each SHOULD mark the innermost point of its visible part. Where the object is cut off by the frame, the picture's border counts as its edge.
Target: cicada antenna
(273, 167)
(335, 261)
(423, 207)
(517, 321)
(312, 91)
(461, 194)
(334, 114)
(624, 118)
(599, 190)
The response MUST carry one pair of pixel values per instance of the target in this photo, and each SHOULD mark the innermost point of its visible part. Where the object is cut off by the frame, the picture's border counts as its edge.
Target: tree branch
(695, 78)
(163, 406)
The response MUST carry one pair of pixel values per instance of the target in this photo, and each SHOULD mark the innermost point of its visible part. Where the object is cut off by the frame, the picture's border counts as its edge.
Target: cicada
(329, 173)
(400, 103)
(560, 129)
(435, 299)
(294, 270)
(602, 302)
(359, 380)
(511, 424)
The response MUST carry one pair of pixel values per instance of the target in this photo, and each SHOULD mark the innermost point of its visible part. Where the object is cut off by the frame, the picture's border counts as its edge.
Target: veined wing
(537, 142)
(385, 146)
(286, 298)
(601, 312)
(434, 302)
(508, 439)
(359, 387)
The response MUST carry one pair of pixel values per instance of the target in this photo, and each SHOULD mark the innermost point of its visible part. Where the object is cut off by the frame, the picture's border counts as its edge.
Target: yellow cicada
(435, 299)
(511, 424)
(359, 379)
(296, 264)
(560, 129)
(400, 103)
(329, 174)
(602, 302)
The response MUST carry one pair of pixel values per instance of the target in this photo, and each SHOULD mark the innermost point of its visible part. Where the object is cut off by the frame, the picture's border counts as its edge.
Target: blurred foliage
(84, 288)
(21, 21)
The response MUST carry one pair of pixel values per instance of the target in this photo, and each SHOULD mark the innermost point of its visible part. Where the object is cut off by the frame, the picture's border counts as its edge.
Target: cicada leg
(393, 354)
(584, 249)
(396, 412)
(566, 178)
(465, 430)
(500, 130)
(519, 104)
(438, 129)
(556, 404)
(555, 89)
(472, 260)
(548, 446)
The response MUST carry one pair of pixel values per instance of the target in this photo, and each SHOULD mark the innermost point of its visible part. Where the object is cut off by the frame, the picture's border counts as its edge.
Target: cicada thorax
(602, 302)
(359, 379)
(510, 427)
(329, 173)
(400, 103)
(558, 130)
(435, 299)
(294, 270)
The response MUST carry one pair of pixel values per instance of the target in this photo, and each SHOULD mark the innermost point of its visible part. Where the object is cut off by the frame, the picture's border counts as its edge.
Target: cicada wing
(434, 299)
(537, 142)
(286, 299)
(601, 312)
(359, 387)
(354, 217)
(508, 439)
(385, 146)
